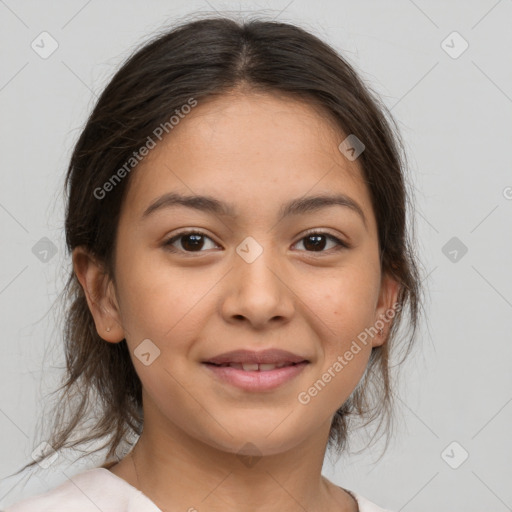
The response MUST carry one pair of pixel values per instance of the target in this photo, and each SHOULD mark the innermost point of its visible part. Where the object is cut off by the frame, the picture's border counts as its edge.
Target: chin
(255, 446)
(267, 438)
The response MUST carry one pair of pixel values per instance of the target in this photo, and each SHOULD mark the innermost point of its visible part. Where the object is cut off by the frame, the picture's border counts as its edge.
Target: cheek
(345, 358)
(347, 310)
(163, 303)
(347, 303)
(147, 287)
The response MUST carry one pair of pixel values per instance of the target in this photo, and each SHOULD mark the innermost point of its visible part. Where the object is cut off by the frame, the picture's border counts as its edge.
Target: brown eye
(189, 241)
(317, 241)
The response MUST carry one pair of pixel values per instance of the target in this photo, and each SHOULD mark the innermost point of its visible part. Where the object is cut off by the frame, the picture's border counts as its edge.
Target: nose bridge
(257, 263)
(258, 292)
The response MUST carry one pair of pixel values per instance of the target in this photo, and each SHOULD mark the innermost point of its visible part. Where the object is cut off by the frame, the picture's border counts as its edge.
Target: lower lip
(256, 380)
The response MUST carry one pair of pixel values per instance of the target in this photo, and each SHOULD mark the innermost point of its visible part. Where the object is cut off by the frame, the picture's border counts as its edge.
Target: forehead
(256, 150)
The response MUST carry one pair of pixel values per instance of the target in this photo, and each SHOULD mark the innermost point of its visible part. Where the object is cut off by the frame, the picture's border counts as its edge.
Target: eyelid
(323, 231)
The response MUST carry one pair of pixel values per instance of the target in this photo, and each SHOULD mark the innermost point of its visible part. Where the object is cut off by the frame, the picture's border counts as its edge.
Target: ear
(387, 308)
(100, 294)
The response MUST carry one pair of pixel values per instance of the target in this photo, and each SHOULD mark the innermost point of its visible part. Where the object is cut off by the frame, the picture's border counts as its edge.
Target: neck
(179, 473)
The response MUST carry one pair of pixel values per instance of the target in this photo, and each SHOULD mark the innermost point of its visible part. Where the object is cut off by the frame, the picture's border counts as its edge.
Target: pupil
(196, 243)
(317, 245)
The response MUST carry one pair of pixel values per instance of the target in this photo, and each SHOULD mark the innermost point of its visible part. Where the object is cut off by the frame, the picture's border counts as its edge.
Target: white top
(99, 489)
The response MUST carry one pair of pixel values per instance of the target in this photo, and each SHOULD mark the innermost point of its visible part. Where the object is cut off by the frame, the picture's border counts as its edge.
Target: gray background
(454, 112)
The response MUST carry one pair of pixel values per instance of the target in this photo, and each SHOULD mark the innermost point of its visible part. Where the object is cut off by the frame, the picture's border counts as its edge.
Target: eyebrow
(298, 206)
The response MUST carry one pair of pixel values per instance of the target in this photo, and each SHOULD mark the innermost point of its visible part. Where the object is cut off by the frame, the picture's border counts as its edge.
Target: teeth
(250, 367)
(266, 367)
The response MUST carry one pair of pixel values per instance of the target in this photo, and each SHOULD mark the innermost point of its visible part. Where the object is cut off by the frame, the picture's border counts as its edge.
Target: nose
(258, 293)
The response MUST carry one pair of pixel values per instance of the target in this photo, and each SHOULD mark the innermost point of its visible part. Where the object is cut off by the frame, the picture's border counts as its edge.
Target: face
(196, 282)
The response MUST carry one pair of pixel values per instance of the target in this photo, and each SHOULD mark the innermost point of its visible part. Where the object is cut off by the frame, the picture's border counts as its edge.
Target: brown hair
(199, 59)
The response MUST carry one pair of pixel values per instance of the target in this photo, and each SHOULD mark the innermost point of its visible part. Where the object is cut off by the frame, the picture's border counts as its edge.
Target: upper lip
(270, 356)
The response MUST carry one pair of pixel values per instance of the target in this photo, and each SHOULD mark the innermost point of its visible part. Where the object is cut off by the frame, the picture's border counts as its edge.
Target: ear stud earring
(108, 329)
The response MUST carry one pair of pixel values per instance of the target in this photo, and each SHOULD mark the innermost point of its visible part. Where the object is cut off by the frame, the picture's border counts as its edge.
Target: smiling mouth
(256, 377)
(256, 371)
(255, 367)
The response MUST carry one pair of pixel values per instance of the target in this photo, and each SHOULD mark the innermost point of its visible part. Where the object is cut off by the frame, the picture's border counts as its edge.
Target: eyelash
(341, 244)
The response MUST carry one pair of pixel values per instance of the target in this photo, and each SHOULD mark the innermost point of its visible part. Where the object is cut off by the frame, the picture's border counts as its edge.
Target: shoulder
(89, 491)
(364, 504)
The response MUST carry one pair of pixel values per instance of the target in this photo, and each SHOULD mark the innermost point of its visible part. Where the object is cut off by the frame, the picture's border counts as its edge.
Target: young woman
(241, 264)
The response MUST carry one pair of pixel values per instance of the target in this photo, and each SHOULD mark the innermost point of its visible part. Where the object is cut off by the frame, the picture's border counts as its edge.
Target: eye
(192, 241)
(315, 241)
